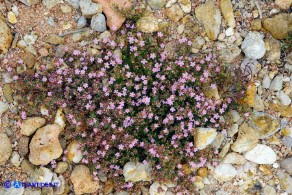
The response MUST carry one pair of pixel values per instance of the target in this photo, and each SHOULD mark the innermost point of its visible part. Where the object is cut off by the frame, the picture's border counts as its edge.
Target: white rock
(157, 189)
(15, 159)
(60, 118)
(234, 158)
(253, 45)
(269, 190)
(134, 172)
(5, 148)
(43, 174)
(204, 137)
(44, 111)
(98, 23)
(224, 172)
(88, 8)
(266, 82)
(186, 5)
(3, 107)
(81, 22)
(284, 98)
(277, 83)
(170, 3)
(229, 31)
(11, 191)
(261, 154)
(156, 4)
(74, 153)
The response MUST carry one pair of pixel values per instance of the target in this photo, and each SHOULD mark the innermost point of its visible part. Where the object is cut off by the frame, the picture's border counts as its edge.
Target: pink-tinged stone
(112, 8)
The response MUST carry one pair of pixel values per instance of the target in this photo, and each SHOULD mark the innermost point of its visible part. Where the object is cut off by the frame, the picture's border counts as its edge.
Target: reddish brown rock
(113, 10)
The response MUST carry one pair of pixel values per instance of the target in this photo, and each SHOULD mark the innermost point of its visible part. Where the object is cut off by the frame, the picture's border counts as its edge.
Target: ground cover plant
(135, 101)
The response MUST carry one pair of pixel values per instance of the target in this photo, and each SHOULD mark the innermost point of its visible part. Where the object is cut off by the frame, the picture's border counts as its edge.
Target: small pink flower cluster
(136, 102)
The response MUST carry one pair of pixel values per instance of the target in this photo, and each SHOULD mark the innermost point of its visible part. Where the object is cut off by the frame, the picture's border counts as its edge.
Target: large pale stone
(83, 181)
(30, 125)
(264, 123)
(261, 154)
(285, 181)
(286, 164)
(224, 172)
(5, 148)
(134, 172)
(111, 8)
(247, 139)
(157, 189)
(148, 23)
(279, 25)
(60, 118)
(209, 15)
(174, 13)
(283, 4)
(204, 137)
(234, 158)
(88, 8)
(5, 36)
(74, 153)
(253, 45)
(227, 11)
(45, 146)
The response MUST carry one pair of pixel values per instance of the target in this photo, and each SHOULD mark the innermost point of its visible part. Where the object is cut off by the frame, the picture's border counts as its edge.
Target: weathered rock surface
(49, 4)
(148, 23)
(261, 154)
(5, 37)
(45, 146)
(224, 172)
(74, 153)
(88, 8)
(157, 189)
(114, 18)
(204, 137)
(279, 25)
(156, 4)
(234, 158)
(285, 181)
(98, 23)
(286, 164)
(134, 172)
(174, 13)
(3, 107)
(283, 4)
(227, 11)
(30, 125)
(253, 45)
(247, 139)
(209, 15)
(264, 123)
(5, 148)
(83, 181)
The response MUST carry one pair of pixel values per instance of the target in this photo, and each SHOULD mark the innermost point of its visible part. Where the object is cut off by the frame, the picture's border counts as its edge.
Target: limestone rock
(156, 4)
(5, 37)
(228, 52)
(11, 17)
(54, 39)
(74, 153)
(114, 18)
(204, 137)
(279, 25)
(234, 158)
(8, 93)
(273, 48)
(5, 148)
(45, 146)
(285, 181)
(264, 123)
(157, 189)
(23, 145)
(88, 8)
(286, 164)
(209, 15)
(3, 107)
(49, 4)
(60, 118)
(98, 23)
(227, 11)
(83, 181)
(29, 2)
(224, 172)
(277, 83)
(284, 98)
(43, 174)
(283, 4)
(31, 124)
(285, 111)
(134, 172)
(261, 154)
(148, 23)
(253, 45)
(174, 13)
(247, 139)
(29, 59)
(186, 5)
(15, 159)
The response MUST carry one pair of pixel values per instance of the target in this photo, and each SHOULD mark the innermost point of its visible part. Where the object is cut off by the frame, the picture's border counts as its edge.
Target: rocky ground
(255, 152)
